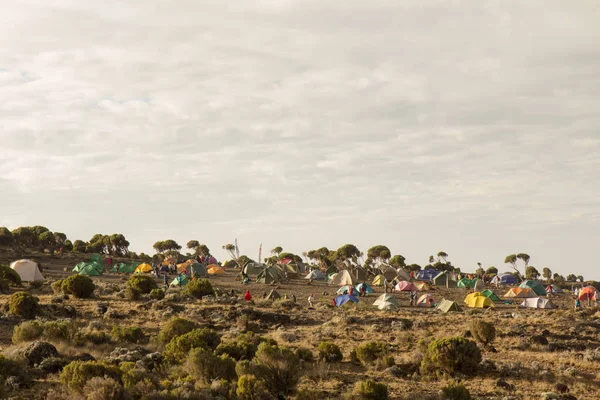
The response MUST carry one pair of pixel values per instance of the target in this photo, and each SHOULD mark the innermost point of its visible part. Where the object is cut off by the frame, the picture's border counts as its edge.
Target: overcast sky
(465, 126)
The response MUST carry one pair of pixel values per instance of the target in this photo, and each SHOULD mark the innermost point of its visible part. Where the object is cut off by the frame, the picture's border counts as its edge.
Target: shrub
(329, 352)
(238, 350)
(27, 331)
(36, 284)
(179, 347)
(372, 390)
(10, 275)
(132, 293)
(199, 288)
(23, 304)
(79, 286)
(99, 388)
(142, 283)
(482, 331)
(96, 337)
(203, 364)
(308, 394)
(129, 334)
(250, 388)
(57, 286)
(371, 351)
(305, 354)
(175, 327)
(157, 294)
(451, 355)
(455, 391)
(58, 330)
(9, 367)
(78, 373)
(243, 367)
(4, 288)
(277, 367)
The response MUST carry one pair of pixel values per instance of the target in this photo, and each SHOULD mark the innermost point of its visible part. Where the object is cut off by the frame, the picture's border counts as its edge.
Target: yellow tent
(183, 266)
(421, 285)
(143, 268)
(216, 270)
(478, 300)
(520, 293)
(378, 280)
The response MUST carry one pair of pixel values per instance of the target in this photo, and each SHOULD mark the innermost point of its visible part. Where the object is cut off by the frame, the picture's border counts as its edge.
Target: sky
(468, 127)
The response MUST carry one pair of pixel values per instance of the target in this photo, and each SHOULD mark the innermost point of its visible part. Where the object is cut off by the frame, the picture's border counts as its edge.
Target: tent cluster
(93, 267)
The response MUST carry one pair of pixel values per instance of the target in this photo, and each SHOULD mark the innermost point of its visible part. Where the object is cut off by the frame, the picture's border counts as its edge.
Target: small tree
(442, 256)
(571, 278)
(6, 237)
(491, 271)
(547, 274)
(398, 261)
(580, 278)
(531, 272)
(276, 251)
(512, 260)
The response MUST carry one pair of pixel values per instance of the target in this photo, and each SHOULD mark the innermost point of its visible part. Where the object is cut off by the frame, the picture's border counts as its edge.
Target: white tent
(403, 275)
(315, 275)
(27, 270)
(386, 302)
(341, 278)
(537, 302)
(425, 300)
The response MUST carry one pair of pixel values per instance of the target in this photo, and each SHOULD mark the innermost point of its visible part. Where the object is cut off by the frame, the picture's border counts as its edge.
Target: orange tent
(183, 266)
(216, 270)
(520, 293)
(587, 293)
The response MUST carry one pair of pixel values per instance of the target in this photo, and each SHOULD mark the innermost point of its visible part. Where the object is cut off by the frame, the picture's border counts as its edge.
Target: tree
(347, 253)
(512, 260)
(479, 271)
(491, 271)
(166, 245)
(580, 278)
(47, 241)
(23, 236)
(379, 253)
(398, 261)
(60, 238)
(413, 267)
(192, 245)
(443, 256)
(68, 246)
(531, 272)
(295, 258)
(6, 237)
(558, 278)
(244, 259)
(546, 273)
(524, 257)
(203, 250)
(431, 260)
(118, 245)
(277, 250)
(571, 278)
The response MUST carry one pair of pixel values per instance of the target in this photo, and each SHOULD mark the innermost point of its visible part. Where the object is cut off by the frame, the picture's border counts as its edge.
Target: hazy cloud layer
(469, 128)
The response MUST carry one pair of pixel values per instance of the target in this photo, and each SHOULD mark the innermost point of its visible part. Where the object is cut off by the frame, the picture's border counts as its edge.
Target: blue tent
(427, 274)
(343, 299)
(368, 289)
(508, 279)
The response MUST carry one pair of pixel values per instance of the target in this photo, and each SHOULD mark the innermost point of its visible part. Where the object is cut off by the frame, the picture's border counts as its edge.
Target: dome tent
(28, 270)
(536, 286)
(386, 302)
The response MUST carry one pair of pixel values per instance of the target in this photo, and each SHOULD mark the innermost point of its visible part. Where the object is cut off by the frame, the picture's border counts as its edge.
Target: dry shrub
(450, 356)
(305, 354)
(157, 294)
(175, 327)
(129, 334)
(179, 347)
(27, 331)
(204, 365)
(482, 331)
(250, 388)
(371, 390)
(329, 352)
(371, 351)
(277, 367)
(455, 391)
(78, 373)
(99, 388)
(79, 286)
(142, 283)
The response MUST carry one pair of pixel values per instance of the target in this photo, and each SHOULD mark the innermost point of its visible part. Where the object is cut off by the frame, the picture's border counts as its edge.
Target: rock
(101, 308)
(152, 360)
(57, 300)
(37, 352)
(14, 382)
(53, 365)
(561, 388)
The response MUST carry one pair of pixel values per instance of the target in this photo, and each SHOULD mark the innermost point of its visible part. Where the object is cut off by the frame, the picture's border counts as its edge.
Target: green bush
(142, 283)
(180, 346)
(96, 337)
(203, 365)
(10, 275)
(23, 304)
(57, 286)
(305, 354)
(10, 367)
(244, 347)
(329, 352)
(58, 330)
(371, 390)
(100, 388)
(4, 287)
(455, 391)
(277, 367)
(371, 351)
(243, 367)
(78, 373)
(129, 334)
(482, 331)
(157, 294)
(451, 356)
(199, 288)
(175, 327)
(79, 286)
(36, 284)
(132, 293)
(27, 331)
(250, 388)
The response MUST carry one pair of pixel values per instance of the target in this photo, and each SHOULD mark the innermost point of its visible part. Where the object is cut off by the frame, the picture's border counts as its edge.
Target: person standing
(386, 284)
(310, 300)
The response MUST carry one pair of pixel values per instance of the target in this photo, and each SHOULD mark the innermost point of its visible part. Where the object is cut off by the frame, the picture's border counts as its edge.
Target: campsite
(342, 332)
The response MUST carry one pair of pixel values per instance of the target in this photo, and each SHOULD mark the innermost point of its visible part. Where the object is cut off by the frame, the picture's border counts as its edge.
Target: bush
(58, 330)
(175, 327)
(455, 391)
(482, 331)
(450, 356)
(180, 346)
(23, 304)
(199, 288)
(204, 365)
(27, 331)
(9, 367)
(57, 286)
(372, 390)
(132, 293)
(36, 284)
(238, 350)
(79, 286)
(157, 294)
(129, 334)
(100, 388)
(277, 367)
(243, 367)
(250, 388)
(78, 373)
(142, 283)
(10, 275)
(308, 394)
(329, 352)
(371, 351)
(4, 288)
(305, 354)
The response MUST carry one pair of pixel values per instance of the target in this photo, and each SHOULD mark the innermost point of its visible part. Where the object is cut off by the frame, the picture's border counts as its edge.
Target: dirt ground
(517, 356)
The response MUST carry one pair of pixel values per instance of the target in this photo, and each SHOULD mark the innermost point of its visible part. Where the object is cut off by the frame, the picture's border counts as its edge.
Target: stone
(37, 352)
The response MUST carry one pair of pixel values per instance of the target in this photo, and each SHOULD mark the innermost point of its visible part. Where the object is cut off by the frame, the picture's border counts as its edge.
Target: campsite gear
(490, 295)
(143, 269)
(425, 300)
(197, 269)
(386, 302)
(446, 306)
(248, 296)
(89, 270)
(478, 300)
(341, 278)
(556, 289)
(521, 293)
(344, 290)
(536, 286)
(253, 268)
(577, 303)
(28, 270)
(405, 286)
(343, 299)
(537, 302)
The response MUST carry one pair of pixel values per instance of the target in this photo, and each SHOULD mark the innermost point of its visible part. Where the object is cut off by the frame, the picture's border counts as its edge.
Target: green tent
(444, 279)
(125, 268)
(536, 286)
(273, 295)
(268, 275)
(198, 269)
(465, 283)
(254, 268)
(184, 281)
(96, 258)
(490, 295)
(89, 269)
(447, 306)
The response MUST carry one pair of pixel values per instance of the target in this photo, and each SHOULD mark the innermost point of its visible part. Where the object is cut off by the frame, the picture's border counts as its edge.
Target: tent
(520, 293)
(268, 275)
(89, 270)
(28, 270)
(358, 273)
(587, 293)
(478, 285)
(490, 295)
(556, 289)
(143, 269)
(389, 272)
(197, 269)
(537, 302)
(444, 279)
(465, 283)
(215, 270)
(447, 306)
(331, 270)
(347, 289)
(125, 268)
(379, 280)
(342, 278)
(184, 265)
(386, 302)
(505, 279)
(421, 285)
(368, 289)
(315, 275)
(536, 286)
(402, 275)
(427, 274)
(273, 295)
(405, 286)
(291, 269)
(184, 280)
(478, 300)
(254, 268)
(345, 298)
(425, 300)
